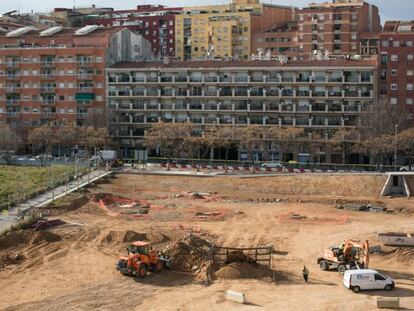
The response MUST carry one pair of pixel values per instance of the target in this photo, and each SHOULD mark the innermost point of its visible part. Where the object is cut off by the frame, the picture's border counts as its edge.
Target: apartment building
(155, 23)
(319, 96)
(335, 28)
(224, 31)
(277, 41)
(397, 64)
(59, 73)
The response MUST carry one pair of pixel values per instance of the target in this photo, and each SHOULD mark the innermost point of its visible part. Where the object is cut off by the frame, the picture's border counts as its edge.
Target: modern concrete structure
(59, 73)
(397, 64)
(319, 96)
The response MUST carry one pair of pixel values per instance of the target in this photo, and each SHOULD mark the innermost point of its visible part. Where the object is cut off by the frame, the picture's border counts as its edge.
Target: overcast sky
(389, 9)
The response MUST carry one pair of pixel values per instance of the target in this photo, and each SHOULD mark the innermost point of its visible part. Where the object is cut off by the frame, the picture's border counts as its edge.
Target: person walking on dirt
(305, 273)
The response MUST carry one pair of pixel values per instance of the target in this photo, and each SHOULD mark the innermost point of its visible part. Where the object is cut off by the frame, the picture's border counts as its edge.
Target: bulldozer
(351, 254)
(141, 258)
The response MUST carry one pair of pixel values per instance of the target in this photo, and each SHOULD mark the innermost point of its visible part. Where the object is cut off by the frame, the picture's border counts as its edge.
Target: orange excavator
(141, 258)
(350, 254)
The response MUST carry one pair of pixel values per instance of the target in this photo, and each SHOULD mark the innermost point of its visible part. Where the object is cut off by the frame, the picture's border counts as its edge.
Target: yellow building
(224, 31)
(218, 31)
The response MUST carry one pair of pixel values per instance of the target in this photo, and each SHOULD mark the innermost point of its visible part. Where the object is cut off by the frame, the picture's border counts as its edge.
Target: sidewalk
(50, 196)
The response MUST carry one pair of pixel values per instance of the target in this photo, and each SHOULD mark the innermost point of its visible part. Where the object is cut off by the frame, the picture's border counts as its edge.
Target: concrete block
(356, 207)
(235, 296)
(388, 303)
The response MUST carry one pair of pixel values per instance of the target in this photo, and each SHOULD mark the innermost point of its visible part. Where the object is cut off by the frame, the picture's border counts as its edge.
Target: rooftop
(399, 26)
(237, 64)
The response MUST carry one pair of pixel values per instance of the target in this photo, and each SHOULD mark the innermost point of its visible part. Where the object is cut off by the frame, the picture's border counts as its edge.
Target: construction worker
(305, 273)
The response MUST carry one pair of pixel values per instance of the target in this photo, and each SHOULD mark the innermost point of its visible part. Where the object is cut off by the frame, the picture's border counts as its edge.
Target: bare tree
(9, 142)
(284, 137)
(42, 138)
(344, 141)
(169, 137)
(251, 138)
(405, 141)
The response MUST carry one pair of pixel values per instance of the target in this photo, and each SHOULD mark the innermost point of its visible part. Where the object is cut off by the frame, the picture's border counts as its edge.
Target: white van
(367, 279)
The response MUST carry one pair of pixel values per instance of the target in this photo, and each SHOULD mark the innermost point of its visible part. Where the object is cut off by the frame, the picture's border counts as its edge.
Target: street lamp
(395, 147)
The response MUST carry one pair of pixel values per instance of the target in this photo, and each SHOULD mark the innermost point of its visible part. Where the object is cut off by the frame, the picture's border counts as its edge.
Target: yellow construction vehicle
(349, 255)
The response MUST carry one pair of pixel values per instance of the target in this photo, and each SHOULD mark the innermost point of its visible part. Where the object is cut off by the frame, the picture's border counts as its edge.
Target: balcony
(85, 89)
(47, 89)
(48, 64)
(13, 76)
(49, 76)
(12, 102)
(82, 76)
(12, 64)
(12, 114)
(48, 102)
(12, 89)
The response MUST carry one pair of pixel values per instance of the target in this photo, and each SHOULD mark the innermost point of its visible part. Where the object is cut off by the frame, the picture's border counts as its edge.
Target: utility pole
(395, 148)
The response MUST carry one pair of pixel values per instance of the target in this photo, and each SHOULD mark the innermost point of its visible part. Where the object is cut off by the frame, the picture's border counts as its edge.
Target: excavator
(141, 258)
(350, 254)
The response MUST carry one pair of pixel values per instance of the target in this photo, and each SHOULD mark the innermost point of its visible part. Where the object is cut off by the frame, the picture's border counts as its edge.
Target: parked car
(367, 279)
(272, 165)
(406, 168)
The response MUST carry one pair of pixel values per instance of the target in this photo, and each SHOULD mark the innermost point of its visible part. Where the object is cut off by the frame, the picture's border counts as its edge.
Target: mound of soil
(188, 253)
(44, 236)
(117, 237)
(9, 259)
(404, 254)
(30, 237)
(242, 270)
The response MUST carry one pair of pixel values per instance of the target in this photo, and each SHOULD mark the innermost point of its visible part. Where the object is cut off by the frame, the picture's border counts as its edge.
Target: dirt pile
(30, 237)
(119, 237)
(9, 259)
(404, 254)
(188, 254)
(243, 270)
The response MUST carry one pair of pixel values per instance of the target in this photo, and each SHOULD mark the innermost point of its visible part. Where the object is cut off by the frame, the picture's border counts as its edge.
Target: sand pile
(119, 237)
(9, 259)
(188, 254)
(404, 254)
(243, 270)
(30, 237)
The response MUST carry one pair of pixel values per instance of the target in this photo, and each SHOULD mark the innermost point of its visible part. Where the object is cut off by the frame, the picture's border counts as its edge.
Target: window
(385, 44)
(410, 72)
(354, 36)
(394, 101)
(394, 58)
(379, 277)
(410, 87)
(396, 44)
(409, 101)
(409, 43)
(61, 97)
(394, 87)
(393, 72)
(410, 57)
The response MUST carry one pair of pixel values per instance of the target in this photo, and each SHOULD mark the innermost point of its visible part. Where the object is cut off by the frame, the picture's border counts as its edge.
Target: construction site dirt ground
(72, 266)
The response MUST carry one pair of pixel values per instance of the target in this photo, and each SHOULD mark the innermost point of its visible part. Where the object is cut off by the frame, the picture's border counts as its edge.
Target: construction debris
(235, 296)
(388, 303)
(188, 252)
(45, 224)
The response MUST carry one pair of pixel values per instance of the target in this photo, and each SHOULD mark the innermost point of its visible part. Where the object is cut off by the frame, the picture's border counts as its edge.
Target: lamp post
(395, 147)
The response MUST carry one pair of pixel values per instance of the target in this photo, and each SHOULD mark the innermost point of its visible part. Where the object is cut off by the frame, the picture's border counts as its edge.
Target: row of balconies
(47, 76)
(303, 122)
(43, 102)
(280, 93)
(43, 115)
(247, 79)
(244, 107)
